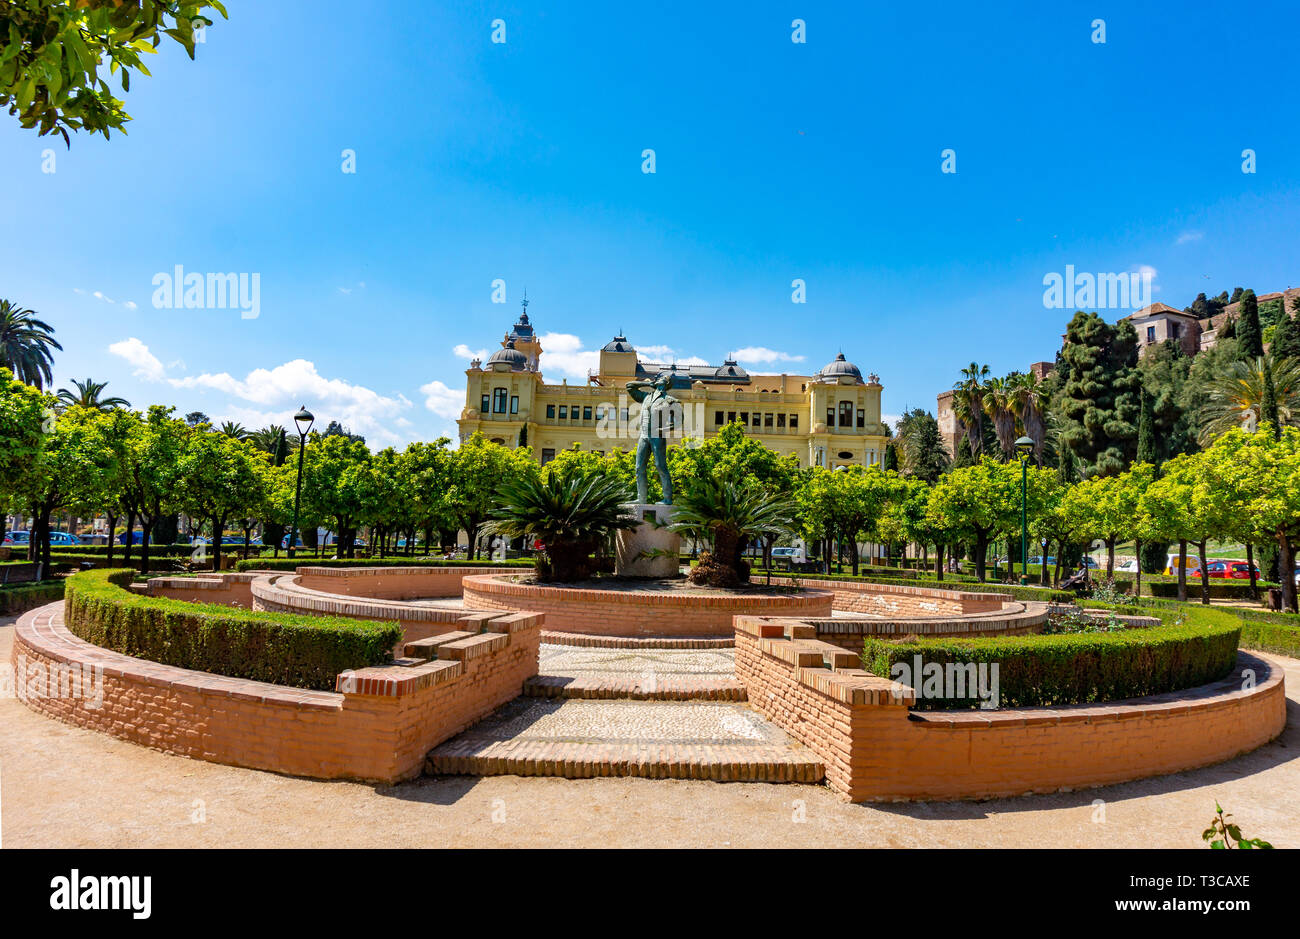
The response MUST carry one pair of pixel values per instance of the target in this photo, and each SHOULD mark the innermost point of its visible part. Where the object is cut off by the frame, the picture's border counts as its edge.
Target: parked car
(1193, 565)
(1129, 567)
(56, 538)
(1091, 563)
(1038, 559)
(137, 537)
(1236, 570)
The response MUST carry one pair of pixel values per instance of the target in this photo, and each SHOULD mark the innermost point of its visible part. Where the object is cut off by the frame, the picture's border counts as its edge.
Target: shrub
(1219, 589)
(1077, 668)
(17, 599)
(281, 648)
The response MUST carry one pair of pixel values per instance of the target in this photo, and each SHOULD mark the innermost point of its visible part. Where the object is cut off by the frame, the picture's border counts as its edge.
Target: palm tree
(234, 430)
(1030, 404)
(25, 344)
(87, 395)
(968, 405)
(1238, 396)
(729, 516)
(572, 513)
(998, 400)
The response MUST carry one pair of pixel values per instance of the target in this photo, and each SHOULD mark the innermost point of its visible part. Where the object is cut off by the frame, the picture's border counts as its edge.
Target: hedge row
(1014, 590)
(281, 648)
(155, 550)
(1075, 668)
(22, 597)
(290, 564)
(1219, 589)
(1263, 630)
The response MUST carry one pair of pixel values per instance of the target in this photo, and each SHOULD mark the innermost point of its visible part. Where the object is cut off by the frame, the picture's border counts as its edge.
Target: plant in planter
(571, 512)
(727, 517)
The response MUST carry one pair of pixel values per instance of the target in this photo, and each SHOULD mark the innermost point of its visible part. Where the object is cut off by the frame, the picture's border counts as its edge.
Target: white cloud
(443, 401)
(563, 353)
(359, 408)
(1148, 269)
(99, 295)
(667, 355)
(465, 352)
(1188, 237)
(764, 356)
(137, 354)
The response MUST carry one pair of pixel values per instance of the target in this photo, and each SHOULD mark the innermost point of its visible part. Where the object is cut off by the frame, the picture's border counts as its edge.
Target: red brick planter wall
(378, 726)
(391, 583)
(906, 600)
(876, 749)
(637, 613)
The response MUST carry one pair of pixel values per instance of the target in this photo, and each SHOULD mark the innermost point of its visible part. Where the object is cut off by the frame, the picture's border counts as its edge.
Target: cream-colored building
(831, 418)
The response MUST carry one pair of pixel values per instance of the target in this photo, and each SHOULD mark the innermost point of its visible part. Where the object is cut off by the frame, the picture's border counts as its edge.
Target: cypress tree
(891, 456)
(1286, 339)
(1249, 333)
(1146, 451)
(1268, 407)
(1098, 397)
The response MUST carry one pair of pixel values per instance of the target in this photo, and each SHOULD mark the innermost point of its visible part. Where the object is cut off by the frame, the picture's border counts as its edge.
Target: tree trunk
(853, 555)
(1137, 575)
(1056, 575)
(217, 527)
(1205, 573)
(981, 549)
(1182, 571)
(112, 537)
(146, 532)
(1250, 566)
(1110, 558)
(1286, 562)
(130, 524)
(1042, 567)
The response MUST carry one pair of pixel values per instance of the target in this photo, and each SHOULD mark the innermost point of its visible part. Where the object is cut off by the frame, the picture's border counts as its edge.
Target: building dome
(730, 370)
(509, 355)
(840, 368)
(618, 344)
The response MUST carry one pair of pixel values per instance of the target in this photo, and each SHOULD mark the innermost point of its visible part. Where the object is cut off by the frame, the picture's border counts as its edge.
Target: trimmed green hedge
(1014, 590)
(281, 648)
(1222, 589)
(290, 564)
(1264, 630)
(1077, 668)
(22, 597)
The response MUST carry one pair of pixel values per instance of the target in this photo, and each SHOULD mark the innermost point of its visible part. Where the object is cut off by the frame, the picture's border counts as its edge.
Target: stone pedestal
(650, 549)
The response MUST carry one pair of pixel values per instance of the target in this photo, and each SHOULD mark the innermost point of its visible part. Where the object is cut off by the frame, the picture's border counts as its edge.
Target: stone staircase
(654, 712)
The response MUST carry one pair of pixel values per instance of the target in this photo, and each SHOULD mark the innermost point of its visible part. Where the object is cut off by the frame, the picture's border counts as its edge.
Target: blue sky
(775, 161)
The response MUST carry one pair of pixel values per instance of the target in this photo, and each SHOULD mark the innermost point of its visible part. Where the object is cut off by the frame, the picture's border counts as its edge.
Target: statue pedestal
(650, 549)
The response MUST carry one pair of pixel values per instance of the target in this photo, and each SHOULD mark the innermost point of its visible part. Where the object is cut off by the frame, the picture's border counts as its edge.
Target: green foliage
(572, 512)
(727, 516)
(284, 649)
(51, 70)
(1076, 668)
(1098, 402)
(17, 599)
(1250, 334)
(1223, 834)
(923, 455)
(1286, 338)
(22, 416)
(25, 341)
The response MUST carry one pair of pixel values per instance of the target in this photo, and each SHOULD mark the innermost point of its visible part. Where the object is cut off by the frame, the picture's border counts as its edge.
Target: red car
(1236, 570)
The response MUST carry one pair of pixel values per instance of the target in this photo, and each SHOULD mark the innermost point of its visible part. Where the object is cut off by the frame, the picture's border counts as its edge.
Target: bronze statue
(657, 418)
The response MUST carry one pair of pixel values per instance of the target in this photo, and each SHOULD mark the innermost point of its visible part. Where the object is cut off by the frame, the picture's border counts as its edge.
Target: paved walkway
(61, 786)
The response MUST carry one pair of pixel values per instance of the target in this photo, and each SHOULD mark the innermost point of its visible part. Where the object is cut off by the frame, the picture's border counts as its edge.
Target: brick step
(580, 760)
(592, 641)
(634, 688)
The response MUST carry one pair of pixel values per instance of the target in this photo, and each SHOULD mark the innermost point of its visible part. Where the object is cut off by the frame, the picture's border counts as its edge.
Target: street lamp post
(1024, 446)
(303, 419)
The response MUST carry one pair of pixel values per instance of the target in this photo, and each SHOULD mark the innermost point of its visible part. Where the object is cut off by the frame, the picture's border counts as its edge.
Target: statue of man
(656, 418)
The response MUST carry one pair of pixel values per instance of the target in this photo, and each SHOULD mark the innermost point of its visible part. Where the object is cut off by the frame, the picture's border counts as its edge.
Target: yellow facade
(829, 419)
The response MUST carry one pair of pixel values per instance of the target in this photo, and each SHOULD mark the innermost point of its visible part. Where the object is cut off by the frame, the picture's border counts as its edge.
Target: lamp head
(1025, 446)
(304, 419)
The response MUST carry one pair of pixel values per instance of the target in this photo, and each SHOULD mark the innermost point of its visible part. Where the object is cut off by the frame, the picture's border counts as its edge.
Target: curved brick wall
(907, 600)
(876, 749)
(379, 725)
(391, 583)
(638, 612)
